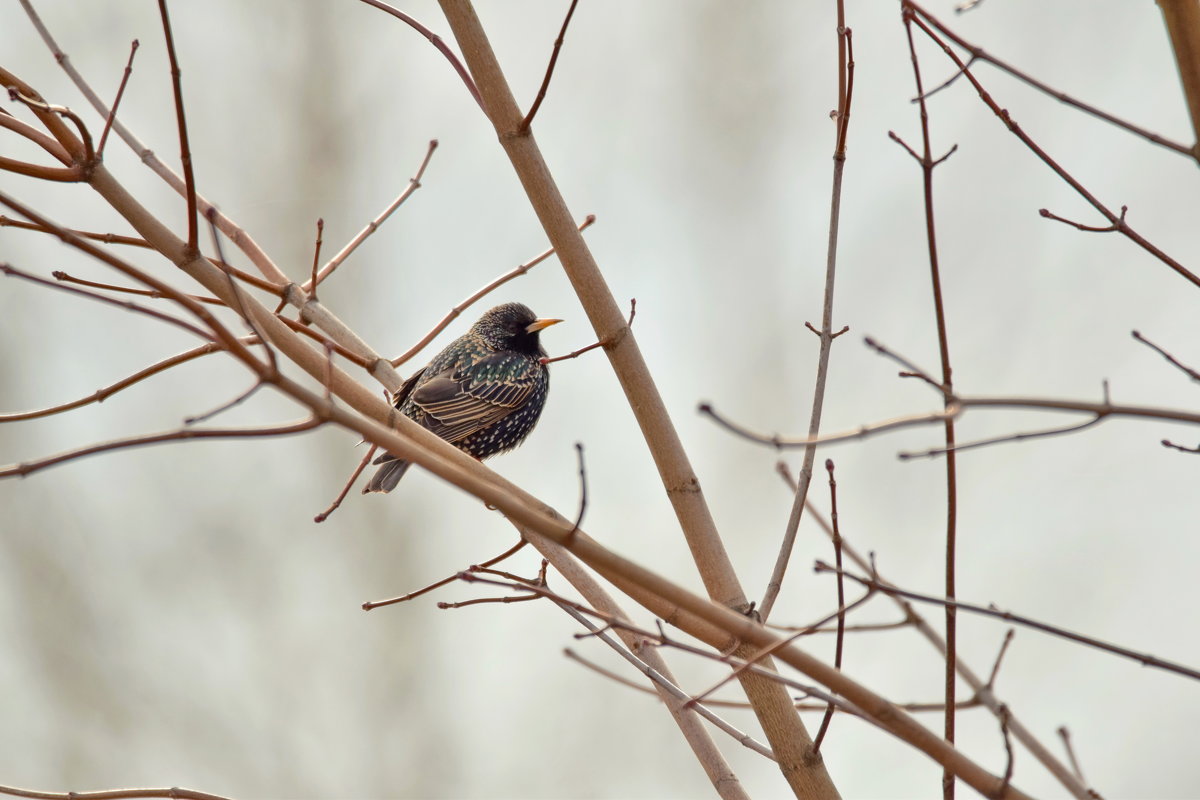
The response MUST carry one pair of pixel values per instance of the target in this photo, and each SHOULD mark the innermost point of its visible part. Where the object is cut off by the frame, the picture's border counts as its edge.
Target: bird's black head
(512, 326)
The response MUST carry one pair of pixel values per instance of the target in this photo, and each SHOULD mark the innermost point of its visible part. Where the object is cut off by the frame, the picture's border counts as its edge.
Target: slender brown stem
(185, 151)
(112, 113)
(9, 270)
(434, 40)
(414, 183)
(947, 385)
(180, 435)
(107, 238)
(978, 54)
(1145, 659)
(454, 312)
(102, 394)
(444, 581)
(826, 335)
(785, 730)
(108, 287)
(1016, 130)
(841, 598)
(173, 793)
(541, 95)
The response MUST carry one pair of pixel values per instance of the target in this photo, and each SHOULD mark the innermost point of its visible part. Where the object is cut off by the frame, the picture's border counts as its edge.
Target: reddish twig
(337, 501)
(107, 238)
(444, 581)
(8, 269)
(928, 164)
(312, 281)
(100, 395)
(845, 72)
(1017, 131)
(437, 42)
(1144, 659)
(541, 95)
(616, 337)
(978, 53)
(108, 287)
(185, 151)
(181, 435)
(414, 183)
(112, 112)
(1191, 373)
(453, 314)
(841, 598)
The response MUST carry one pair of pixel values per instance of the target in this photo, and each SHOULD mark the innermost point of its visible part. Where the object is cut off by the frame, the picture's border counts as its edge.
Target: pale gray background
(171, 616)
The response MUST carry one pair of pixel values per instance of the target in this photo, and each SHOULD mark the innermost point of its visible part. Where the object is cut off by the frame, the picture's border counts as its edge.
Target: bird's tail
(388, 475)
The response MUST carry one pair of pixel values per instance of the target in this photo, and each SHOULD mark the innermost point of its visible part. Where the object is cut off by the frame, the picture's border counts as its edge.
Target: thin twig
(1008, 637)
(841, 599)
(107, 238)
(244, 241)
(1017, 131)
(108, 287)
(185, 151)
(1008, 748)
(845, 72)
(1065, 735)
(173, 793)
(9, 270)
(112, 112)
(337, 501)
(928, 164)
(237, 401)
(312, 281)
(180, 435)
(977, 53)
(438, 584)
(1144, 659)
(453, 314)
(541, 95)
(100, 395)
(1191, 373)
(657, 677)
(437, 42)
(606, 343)
(414, 183)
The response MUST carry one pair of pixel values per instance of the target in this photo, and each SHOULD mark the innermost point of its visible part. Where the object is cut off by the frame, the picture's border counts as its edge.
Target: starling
(483, 393)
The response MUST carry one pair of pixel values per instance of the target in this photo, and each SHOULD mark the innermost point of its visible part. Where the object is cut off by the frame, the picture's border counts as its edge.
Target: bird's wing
(406, 388)
(459, 402)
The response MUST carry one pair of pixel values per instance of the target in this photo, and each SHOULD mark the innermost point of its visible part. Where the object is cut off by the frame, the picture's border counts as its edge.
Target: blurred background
(172, 616)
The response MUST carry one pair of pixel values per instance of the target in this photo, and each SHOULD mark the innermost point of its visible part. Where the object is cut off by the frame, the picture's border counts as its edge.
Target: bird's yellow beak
(539, 324)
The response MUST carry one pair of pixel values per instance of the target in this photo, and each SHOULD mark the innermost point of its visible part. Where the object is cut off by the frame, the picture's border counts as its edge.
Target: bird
(483, 393)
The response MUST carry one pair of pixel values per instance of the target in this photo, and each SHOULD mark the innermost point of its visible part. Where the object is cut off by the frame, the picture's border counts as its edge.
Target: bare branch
(414, 183)
(100, 395)
(1142, 658)
(183, 434)
(437, 42)
(516, 272)
(541, 95)
(112, 113)
(173, 793)
(185, 151)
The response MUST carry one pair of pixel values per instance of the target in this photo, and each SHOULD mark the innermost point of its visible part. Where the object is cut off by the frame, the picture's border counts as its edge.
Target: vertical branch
(927, 165)
(841, 598)
(803, 769)
(185, 151)
(826, 334)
